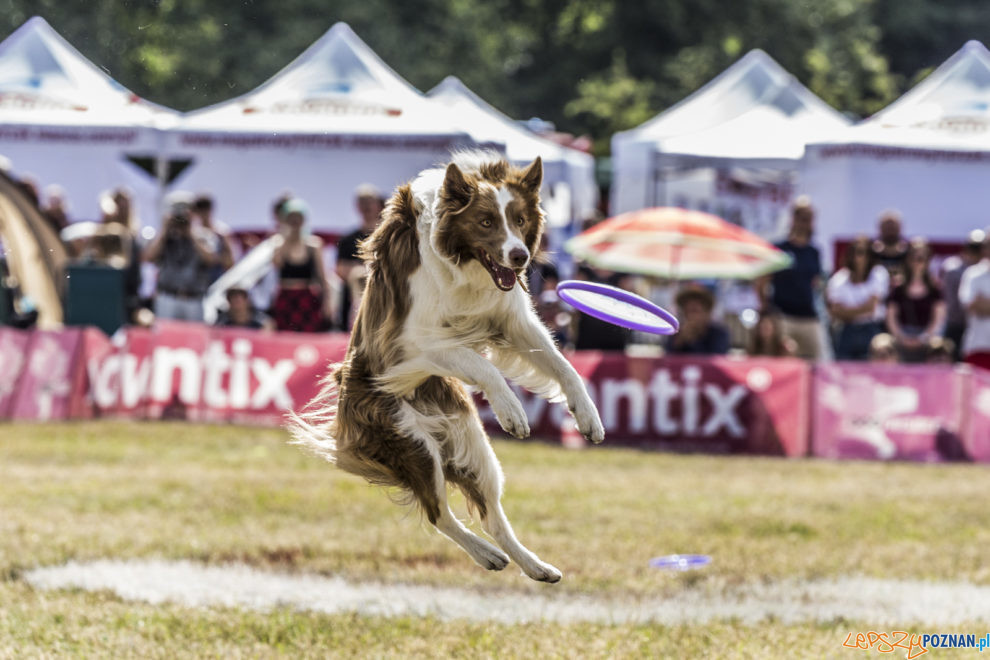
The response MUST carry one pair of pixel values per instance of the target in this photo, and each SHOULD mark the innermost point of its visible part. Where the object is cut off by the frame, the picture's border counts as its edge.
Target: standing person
(55, 207)
(890, 248)
(184, 265)
(369, 206)
(264, 290)
(793, 289)
(915, 309)
(214, 233)
(974, 295)
(302, 303)
(855, 295)
(953, 268)
(125, 218)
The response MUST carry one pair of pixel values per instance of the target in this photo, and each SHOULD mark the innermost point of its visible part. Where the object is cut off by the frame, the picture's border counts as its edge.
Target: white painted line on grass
(880, 602)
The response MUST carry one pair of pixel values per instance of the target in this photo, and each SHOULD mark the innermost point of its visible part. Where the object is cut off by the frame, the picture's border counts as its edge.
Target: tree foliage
(590, 66)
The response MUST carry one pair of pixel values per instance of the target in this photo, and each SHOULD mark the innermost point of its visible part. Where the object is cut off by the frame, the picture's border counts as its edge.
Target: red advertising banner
(714, 405)
(50, 376)
(869, 411)
(976, 437)
(195, 372)
(13, 357)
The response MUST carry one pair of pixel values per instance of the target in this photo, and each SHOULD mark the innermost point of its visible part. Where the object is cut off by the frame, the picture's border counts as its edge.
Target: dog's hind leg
(477, 472)
(422, 473)
(484, 553)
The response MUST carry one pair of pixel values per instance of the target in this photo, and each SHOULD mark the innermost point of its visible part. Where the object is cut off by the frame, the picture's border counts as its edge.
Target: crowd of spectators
(888, 301)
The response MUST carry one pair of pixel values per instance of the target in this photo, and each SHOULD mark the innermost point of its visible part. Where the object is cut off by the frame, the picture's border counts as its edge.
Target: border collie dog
(446, 306)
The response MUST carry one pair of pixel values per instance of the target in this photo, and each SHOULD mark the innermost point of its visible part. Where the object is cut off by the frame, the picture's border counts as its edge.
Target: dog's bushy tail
(313, 427)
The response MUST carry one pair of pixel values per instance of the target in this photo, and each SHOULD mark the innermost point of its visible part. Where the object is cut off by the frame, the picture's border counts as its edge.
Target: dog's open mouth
(504, 278)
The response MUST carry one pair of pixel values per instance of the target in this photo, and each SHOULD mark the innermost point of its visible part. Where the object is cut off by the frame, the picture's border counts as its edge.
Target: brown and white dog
(446, 305)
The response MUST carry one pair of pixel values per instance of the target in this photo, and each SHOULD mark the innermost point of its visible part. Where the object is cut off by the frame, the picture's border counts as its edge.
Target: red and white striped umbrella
(676, 243)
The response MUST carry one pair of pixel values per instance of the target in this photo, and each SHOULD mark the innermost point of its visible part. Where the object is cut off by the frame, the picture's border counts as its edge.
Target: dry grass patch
(216, 494)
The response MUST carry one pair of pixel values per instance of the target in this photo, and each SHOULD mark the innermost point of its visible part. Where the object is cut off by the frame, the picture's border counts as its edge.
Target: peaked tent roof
(487, 123)
(753, 110)
(950, 109)
(521, 144)
(44, 80)
(338, 85)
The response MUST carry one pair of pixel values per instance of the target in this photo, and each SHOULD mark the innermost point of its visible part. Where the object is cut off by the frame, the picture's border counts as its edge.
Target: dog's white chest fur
(393, 412)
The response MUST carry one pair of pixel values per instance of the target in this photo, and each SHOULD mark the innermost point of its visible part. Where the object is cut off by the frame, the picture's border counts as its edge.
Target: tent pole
(161, 173)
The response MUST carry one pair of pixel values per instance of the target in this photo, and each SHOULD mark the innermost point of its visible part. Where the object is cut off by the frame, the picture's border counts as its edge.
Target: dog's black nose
(518, 256)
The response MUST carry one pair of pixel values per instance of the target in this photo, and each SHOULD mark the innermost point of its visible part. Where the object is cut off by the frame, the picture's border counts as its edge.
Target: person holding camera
(185, 265)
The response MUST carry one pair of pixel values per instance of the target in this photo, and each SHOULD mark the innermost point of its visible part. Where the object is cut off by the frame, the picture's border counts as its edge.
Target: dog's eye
(486, 222)
(520, 221)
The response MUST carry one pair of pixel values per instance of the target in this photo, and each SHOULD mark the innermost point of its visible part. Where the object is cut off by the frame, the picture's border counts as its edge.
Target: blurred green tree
(589, 66)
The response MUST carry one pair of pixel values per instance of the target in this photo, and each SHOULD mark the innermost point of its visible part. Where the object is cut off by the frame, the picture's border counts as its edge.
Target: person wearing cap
(303, 302)
(883, 350)
(369, 206)
(952, 272)
(974, 296)
(240, 313)
(698, 334)
(184, 261)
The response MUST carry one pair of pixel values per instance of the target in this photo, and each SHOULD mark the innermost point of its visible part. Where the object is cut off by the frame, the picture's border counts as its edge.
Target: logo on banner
(661, 395)
(216, 378)
(870, 410)
(666, 405)
(50, 366)
(12, 359)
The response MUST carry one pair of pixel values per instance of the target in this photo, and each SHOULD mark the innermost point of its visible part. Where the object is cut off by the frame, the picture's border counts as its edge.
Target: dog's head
(491, 216)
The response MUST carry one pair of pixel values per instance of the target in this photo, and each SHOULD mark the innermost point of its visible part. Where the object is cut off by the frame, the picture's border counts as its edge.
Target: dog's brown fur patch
(369, 442)
(466, 205)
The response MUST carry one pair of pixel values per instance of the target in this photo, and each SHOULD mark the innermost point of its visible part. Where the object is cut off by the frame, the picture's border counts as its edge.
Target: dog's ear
(532, 178)
(457, 190)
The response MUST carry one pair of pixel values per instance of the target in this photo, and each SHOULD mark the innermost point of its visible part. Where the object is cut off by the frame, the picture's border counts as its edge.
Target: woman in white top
(855, 295)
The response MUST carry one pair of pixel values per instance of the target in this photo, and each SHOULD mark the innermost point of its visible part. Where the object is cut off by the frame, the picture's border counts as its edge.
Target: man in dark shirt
(793, 289)
(698, 334)
(369, 206)
(890, 249)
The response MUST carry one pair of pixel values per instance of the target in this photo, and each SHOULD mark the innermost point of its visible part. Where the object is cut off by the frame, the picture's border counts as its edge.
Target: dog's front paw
(511, 415)
(589, 423)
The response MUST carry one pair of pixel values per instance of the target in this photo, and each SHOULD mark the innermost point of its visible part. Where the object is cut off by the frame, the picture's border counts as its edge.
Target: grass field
(222, 494)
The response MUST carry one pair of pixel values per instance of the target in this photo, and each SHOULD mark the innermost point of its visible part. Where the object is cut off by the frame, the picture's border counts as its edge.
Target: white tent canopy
(333, 119)
(753, 115)
(64, 121)
(562, 165)
(927, 155)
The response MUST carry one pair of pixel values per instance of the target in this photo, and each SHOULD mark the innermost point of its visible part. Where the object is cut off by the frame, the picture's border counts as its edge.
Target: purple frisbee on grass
(680, 562)
(617, 306)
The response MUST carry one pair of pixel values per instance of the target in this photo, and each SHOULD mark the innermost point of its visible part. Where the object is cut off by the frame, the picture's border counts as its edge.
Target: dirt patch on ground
(881, 602)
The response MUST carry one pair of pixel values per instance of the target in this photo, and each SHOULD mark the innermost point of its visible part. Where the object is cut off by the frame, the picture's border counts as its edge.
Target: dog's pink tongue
(504, 277)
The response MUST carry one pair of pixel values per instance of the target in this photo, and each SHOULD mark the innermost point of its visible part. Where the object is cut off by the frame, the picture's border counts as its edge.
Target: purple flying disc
(680, 562)
(617, 306)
